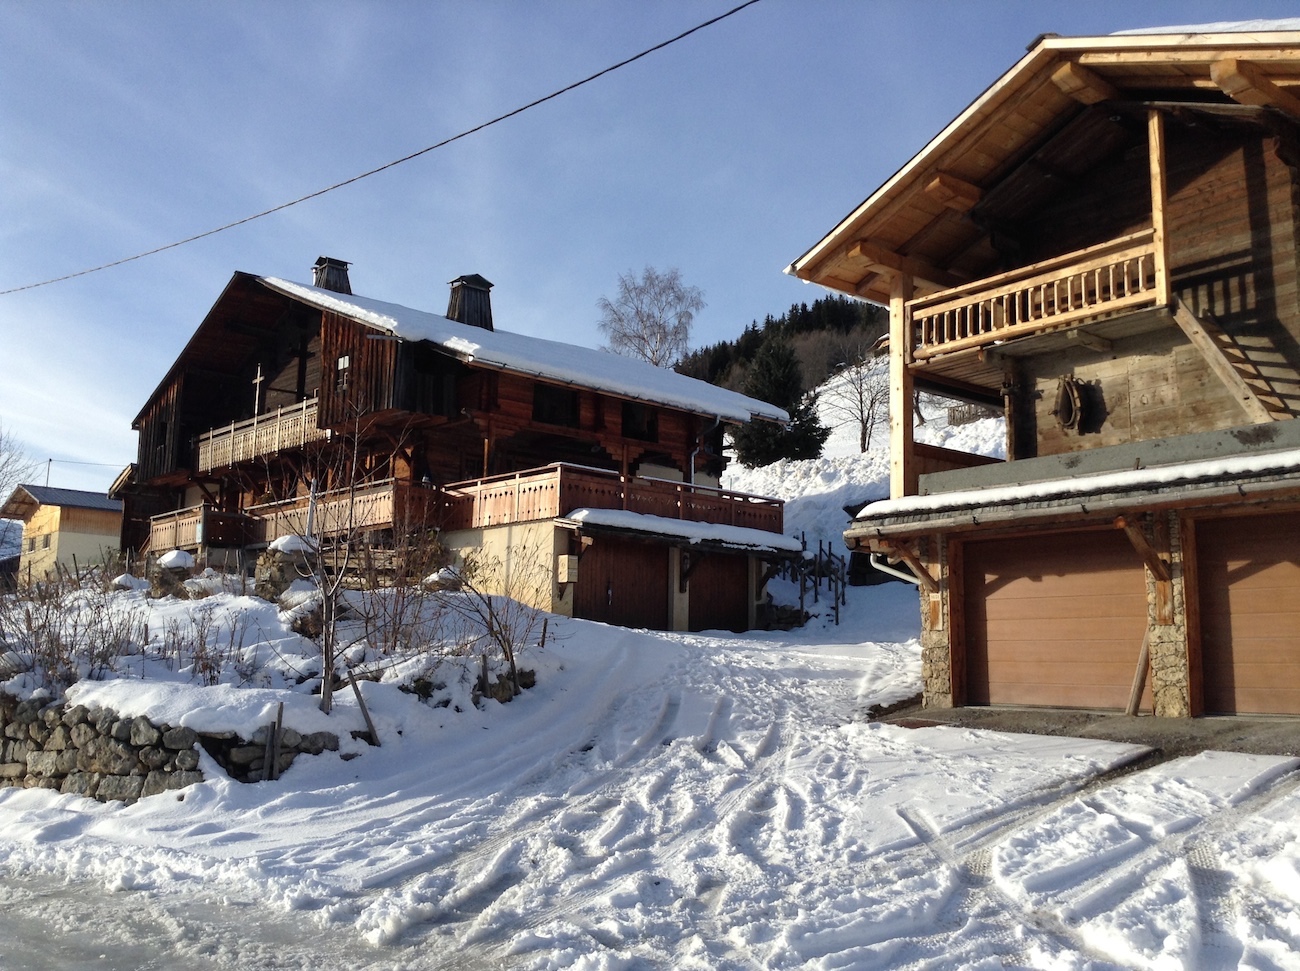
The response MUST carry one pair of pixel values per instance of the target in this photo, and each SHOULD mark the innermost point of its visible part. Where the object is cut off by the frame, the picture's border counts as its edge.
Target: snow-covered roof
(711, 534)
(1135, 486)
(536, 356)
(1220, 27)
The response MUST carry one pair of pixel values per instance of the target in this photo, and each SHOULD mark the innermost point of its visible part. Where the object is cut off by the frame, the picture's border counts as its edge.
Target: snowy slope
(816, 491)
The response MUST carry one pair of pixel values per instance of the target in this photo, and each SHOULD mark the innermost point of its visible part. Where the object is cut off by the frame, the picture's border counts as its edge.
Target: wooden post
(902, 464)
(1156, 154)
(1140, 675)
(365, 712)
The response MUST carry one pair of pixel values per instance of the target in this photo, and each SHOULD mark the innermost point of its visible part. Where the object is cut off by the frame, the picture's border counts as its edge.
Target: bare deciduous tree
(651, 316)
(15, 466)
(860, 396)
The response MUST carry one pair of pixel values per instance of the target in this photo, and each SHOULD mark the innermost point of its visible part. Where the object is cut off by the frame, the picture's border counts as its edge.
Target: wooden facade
(1103, 246)
(290, 398)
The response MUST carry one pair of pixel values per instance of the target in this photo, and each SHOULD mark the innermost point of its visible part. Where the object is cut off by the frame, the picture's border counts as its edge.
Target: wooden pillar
(902, 463)
(1156, 157)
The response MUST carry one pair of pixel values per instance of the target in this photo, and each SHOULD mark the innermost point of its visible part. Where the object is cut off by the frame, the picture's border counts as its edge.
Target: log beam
(954, 193)
(1083, 85)
(896, 263)
(1202, 337)
(1245, 83)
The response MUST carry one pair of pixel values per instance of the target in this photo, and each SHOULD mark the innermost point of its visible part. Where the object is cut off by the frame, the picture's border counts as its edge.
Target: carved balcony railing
(557, 490)
(1123, 274)
(261, 435)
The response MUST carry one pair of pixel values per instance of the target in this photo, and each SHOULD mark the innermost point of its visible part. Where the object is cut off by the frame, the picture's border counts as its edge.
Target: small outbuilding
(62, 527)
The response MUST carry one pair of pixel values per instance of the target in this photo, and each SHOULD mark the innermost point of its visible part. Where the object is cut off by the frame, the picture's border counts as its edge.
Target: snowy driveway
(679, 801)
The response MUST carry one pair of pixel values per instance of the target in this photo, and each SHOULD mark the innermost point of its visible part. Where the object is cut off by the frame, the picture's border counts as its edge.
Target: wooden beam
(902, 462)
(1159, 195)
(904, 553)
(1202, 337)
(1091, 341)
(1245, 83)
(1158, 567)
(954, 193)
(896, 263)
(1083, 85)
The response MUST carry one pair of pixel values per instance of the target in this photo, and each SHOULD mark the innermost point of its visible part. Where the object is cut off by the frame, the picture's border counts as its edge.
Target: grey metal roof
(26, 498)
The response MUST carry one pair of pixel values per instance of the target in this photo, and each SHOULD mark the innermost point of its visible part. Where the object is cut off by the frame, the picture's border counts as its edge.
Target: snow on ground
(684, 801)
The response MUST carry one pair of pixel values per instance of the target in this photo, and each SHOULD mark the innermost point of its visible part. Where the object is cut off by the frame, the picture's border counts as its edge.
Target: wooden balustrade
(1118, 275)
(559, 489)
(265, 434)
(197, 526)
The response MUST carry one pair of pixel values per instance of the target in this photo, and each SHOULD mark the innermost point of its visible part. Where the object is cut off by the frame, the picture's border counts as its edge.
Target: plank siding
(1046, 629)
(719, 593)
(1248, 571)
(625, 583)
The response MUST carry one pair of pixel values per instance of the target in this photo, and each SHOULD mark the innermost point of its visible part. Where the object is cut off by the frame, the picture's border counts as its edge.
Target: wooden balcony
(259, 436)
(382, 505)
(1125, 274)
(557, 490)
(188, 529)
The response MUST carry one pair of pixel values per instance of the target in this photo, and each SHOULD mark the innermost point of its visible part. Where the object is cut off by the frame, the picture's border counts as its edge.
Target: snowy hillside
(816, 491)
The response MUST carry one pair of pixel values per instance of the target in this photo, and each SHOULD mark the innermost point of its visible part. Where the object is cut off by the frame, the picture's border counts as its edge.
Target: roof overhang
(1239, 480)
(1053, 83)
(686, 534)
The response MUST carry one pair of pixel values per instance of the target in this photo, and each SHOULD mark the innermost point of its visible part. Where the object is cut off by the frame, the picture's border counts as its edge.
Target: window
(555, 406)
(640, 422)
(45, 541)
(341, 374)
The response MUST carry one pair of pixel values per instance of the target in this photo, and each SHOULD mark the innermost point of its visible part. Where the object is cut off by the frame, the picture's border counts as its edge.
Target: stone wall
(98, 754)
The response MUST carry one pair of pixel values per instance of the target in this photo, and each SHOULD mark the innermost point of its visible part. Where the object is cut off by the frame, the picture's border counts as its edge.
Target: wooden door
(719, 593)
(623, 582)
(1054, 620)
(1248, 574)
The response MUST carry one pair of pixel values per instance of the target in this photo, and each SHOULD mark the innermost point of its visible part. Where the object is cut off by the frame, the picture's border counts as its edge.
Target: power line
(388, 165)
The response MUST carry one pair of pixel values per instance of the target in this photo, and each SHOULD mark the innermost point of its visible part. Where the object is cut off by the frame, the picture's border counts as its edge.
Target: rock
(290, 738)
(126, 788)
(179, 739)
(27, 711)
(143, 732)
(12, 770)
(187, 761)
(154, 758)
(318, 742)
(80, 784)
(76, 715)
(42, 763)
(52, 717)
(83, 734)
(246, 754)
(38, 732)
(60, 739)
(121, 729)
(105, 718)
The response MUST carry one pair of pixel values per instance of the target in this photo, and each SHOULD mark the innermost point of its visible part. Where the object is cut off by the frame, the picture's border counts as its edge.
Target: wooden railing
(198, 526)
(265, 434)
(1123, 274)
(557, 490)
(380, 505)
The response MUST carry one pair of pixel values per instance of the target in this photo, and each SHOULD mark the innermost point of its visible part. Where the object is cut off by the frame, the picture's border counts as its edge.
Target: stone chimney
(331, 274)
(470, 301)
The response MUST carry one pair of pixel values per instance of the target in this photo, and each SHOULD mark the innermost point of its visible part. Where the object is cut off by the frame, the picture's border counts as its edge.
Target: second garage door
(1249, 578)
(1053, 620)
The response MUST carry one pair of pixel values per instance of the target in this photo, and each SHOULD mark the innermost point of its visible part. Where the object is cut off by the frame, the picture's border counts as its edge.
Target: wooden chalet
(64, 530)
(1103, 247)
(307, 410)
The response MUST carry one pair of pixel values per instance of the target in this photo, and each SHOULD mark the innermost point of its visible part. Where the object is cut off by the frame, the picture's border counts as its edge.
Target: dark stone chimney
(331, 274)
(471, 302)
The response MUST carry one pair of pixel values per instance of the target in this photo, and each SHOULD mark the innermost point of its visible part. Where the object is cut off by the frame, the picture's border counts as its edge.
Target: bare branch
(651, 317)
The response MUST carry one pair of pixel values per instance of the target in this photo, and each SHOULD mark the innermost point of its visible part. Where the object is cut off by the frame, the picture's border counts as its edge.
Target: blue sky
(128, 125)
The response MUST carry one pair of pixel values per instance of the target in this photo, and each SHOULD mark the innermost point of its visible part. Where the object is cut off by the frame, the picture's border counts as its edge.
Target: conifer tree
(774, 377)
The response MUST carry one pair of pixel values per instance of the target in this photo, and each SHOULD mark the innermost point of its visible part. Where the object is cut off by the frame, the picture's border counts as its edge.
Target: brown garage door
(1054, 620)
(1249, 580)
(719, 593)
(625, 583)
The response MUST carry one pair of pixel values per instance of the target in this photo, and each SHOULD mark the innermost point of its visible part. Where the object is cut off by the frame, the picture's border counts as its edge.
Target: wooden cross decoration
(257, 391)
